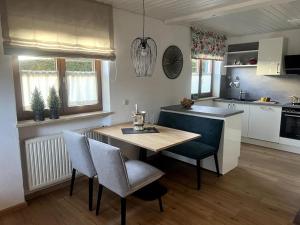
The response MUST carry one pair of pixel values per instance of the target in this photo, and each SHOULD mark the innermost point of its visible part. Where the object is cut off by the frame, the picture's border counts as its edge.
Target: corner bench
(198, 149)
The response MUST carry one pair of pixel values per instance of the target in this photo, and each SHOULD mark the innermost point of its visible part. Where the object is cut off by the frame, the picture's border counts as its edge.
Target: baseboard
(277, 146)
(52, 188)
(13, 208)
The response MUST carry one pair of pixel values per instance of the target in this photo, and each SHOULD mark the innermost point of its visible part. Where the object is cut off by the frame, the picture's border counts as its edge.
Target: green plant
(37, 102)
(53, 100)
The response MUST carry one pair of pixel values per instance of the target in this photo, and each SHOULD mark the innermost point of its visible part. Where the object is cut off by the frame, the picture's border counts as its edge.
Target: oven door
(290, 125)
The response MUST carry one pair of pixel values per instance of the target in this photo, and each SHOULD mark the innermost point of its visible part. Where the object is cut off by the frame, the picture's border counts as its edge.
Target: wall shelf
(239, 66)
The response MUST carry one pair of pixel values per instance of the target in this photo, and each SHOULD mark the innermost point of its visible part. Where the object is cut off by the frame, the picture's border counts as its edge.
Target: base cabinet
(245, 115)
(258, 121)
(264, 123)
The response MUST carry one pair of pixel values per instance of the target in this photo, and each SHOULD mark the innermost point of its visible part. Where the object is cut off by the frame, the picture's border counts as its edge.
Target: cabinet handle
(266, 108)
(292, 116)
(278, 67)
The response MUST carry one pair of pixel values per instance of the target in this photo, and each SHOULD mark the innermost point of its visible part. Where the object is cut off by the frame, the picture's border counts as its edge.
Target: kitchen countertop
(247, 102)
(203, 110)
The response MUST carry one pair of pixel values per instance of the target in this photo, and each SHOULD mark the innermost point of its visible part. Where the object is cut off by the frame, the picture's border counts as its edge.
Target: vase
(54, 114)
(39, 116)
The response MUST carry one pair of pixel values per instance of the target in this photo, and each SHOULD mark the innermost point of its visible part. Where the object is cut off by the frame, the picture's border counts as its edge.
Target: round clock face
(172, 62)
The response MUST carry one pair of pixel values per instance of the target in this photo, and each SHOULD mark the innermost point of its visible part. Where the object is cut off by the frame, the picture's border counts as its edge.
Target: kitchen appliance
(290, 121)
(292, 64)
(138, 119)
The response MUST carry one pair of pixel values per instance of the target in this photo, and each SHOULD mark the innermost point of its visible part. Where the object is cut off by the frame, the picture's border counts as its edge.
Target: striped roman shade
(57, 27)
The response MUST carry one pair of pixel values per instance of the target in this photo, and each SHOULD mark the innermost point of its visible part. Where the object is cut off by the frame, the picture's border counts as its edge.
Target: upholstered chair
(120, 176)
(79, 152)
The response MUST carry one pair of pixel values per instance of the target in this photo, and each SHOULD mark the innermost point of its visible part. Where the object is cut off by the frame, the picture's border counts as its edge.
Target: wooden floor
(263, 190)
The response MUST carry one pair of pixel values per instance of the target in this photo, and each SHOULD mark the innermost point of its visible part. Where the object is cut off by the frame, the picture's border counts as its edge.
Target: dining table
(163, 139)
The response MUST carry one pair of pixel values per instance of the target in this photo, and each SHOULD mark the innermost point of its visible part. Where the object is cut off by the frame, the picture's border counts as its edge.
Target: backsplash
(279, 88)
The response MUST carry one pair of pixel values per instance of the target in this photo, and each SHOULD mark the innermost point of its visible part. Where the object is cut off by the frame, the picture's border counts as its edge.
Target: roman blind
(207, 44)
(57, 27)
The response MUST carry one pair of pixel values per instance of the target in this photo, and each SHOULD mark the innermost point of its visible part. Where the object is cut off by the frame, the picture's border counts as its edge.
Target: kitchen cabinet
(270, 56)
(264, 122)
(245, 115)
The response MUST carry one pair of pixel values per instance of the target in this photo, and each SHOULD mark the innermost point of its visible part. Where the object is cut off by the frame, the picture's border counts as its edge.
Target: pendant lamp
(143, 53)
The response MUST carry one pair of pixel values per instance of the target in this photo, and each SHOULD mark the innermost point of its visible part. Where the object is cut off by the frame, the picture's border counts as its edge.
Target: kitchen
(189, 102)
(270, 102)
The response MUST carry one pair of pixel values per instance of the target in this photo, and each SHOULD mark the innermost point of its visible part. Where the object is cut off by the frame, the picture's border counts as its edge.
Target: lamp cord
(144, 19)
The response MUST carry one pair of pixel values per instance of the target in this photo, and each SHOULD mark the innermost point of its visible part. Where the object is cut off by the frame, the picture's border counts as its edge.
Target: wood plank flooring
(263, 190)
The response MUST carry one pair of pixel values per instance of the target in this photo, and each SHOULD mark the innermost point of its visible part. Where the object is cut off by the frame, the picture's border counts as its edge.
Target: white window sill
(32, 123)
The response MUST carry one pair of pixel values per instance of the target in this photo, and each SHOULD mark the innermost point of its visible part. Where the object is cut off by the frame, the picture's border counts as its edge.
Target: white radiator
(47, 160)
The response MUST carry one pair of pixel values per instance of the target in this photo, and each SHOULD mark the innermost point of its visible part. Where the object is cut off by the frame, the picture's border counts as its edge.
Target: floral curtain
(208, 45)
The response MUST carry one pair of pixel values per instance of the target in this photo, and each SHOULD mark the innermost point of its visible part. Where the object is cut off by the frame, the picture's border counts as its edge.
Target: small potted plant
(37, 105)
(53, 104)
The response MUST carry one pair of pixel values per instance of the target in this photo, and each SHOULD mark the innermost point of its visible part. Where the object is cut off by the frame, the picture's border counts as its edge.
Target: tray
(147, 130)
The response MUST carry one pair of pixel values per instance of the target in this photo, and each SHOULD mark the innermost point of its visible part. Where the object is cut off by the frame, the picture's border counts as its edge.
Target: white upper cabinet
(270, 56)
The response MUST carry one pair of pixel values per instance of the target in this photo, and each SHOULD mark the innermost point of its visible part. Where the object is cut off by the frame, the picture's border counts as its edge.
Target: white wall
(292, 36)
(11, 182)
(150, 93)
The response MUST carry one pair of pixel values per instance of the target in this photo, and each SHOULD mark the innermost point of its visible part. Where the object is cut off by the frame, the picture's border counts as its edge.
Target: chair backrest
(210, 129)
(110, 166)
(79, 152)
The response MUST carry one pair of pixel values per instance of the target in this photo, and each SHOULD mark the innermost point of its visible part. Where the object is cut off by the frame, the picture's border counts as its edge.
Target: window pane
(195, 66)
(206, 76)
(217, 67)
(82, 85)
(205, 84)
(80, 65)
(206, 67)
(195, 76)
(40, 73)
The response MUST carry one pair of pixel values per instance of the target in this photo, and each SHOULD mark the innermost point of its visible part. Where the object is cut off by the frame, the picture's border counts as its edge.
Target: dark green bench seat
(200, 148)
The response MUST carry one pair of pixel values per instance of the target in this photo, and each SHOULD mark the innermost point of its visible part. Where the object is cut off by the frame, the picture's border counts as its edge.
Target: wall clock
(172, 62)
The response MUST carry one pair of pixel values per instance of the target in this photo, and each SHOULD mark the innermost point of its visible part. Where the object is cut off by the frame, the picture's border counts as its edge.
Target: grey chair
(79, 152)
(120, 176)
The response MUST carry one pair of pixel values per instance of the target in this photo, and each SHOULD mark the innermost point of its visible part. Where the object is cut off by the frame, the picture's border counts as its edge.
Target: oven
(290, 123)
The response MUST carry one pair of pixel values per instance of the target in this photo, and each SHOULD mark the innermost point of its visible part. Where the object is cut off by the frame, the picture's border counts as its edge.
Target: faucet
(235, 83)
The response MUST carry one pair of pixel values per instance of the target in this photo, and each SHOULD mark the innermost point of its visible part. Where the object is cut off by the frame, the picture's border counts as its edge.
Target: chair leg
(198, 175)
(123, 211)
(72, 181)
(217, 164)
(160, 204)
(91, 193)
(99, 199)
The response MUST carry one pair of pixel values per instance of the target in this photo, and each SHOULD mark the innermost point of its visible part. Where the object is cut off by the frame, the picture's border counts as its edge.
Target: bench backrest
(210, 129)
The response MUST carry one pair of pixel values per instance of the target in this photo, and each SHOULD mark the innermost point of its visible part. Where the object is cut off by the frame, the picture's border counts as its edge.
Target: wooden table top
(166, 138)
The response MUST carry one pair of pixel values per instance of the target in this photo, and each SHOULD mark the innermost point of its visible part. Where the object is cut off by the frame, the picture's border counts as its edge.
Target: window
(203, 71)
(78, 82)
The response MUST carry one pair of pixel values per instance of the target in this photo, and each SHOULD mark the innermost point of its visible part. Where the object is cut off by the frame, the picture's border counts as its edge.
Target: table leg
(143, 154)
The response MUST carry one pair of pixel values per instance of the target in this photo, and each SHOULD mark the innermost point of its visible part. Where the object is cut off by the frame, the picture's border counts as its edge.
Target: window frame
(63, 92)
(208, 94)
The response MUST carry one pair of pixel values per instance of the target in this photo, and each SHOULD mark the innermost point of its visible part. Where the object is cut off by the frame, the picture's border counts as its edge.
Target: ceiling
(231, 17)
